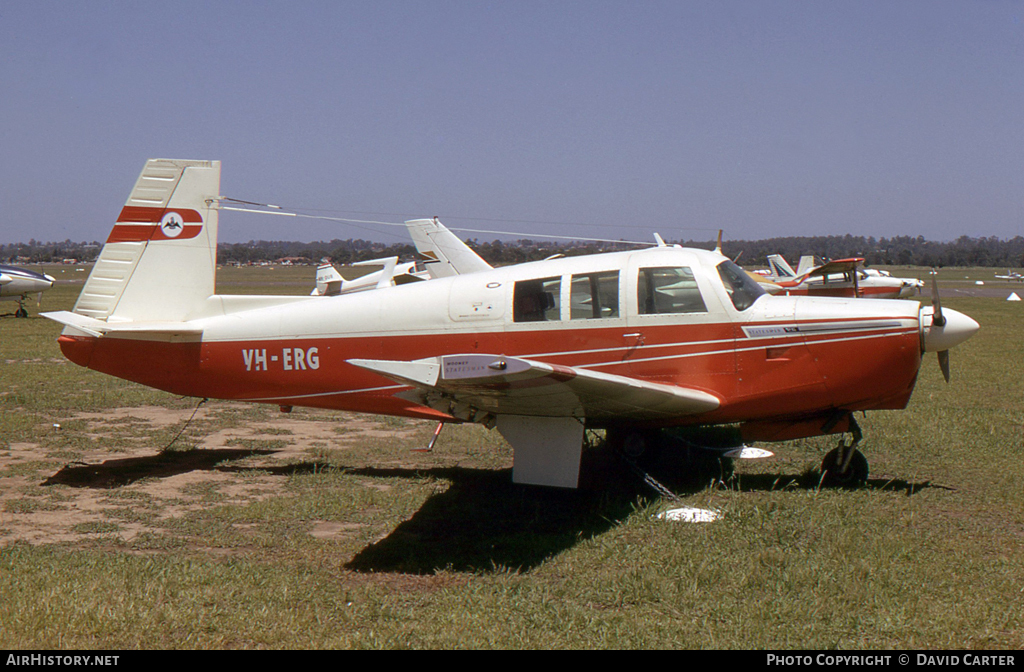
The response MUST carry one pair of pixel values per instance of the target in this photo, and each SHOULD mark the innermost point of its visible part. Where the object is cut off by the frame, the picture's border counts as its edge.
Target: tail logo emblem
(172, 224)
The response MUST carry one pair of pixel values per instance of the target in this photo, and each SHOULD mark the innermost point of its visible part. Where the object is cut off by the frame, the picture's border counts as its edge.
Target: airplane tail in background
(808, 263)
(159, 262)
(780, 268)
(445, 253)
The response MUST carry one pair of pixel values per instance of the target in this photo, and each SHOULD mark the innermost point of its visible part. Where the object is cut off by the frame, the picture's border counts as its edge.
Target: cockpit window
(537, 300)
(742, 289)
(668, 289)
(594, 295)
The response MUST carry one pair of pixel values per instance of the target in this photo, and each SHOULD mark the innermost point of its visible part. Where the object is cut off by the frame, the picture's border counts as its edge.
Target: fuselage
(667, 315)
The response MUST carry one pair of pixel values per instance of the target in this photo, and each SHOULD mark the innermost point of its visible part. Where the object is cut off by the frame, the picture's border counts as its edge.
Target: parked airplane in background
(635, 342)
(1011, 275)
(364, 275)
(442, 255)
(839, 277)
(911, 286)
(17, 283)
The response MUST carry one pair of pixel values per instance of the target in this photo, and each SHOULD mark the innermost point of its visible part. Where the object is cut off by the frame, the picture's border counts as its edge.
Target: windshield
(742, 289)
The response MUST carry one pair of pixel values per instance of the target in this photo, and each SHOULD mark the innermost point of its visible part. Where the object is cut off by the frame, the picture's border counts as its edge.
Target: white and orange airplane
(838, 277)
(631, 342)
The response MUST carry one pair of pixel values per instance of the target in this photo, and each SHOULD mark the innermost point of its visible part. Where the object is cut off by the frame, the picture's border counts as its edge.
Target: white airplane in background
(1011, 275)
(637, 343)
(838, 277)
(365, 275)
(17, 283)
(442, 253)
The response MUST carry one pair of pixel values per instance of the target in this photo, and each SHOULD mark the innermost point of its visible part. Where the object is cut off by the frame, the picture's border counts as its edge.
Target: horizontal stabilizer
(99, 328)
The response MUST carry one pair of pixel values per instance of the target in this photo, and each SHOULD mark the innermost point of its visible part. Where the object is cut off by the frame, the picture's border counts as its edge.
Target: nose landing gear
(844, 466)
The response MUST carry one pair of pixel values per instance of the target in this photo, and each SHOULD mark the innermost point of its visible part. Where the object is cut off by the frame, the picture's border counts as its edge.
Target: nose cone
(957, 329)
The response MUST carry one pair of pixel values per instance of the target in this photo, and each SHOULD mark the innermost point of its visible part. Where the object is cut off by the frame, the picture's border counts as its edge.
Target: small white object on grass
(690, 515)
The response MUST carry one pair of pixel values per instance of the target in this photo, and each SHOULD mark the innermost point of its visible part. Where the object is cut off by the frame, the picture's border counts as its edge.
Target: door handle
(638, 335)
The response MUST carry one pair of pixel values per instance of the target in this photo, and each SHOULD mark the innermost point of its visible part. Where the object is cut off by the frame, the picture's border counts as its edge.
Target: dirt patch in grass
(114, 491)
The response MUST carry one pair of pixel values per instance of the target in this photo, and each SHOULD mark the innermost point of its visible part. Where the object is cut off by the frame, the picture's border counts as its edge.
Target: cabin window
(741, 288)
(594, 295)
(537, 300)
(668, 289)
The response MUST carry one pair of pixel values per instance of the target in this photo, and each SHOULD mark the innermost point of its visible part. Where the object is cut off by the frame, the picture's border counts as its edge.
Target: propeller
(939, 321)
(946, 329)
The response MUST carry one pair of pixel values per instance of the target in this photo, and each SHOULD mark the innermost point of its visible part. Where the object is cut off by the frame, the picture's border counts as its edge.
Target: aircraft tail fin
(808, 263)
(159, 262)
(446, 254)
(328, 281)
(780, 268)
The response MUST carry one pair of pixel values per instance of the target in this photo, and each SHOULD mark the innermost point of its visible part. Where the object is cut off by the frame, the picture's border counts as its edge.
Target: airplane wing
(835, 266)
(473, 385)
(765, 283)
(826, 269)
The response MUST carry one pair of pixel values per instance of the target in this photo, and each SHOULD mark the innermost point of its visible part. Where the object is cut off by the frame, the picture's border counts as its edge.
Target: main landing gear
(685, 455)
(844, 466)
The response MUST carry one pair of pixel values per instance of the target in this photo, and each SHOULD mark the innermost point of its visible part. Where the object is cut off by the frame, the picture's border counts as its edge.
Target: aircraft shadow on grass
(482, 521)
(125, 471)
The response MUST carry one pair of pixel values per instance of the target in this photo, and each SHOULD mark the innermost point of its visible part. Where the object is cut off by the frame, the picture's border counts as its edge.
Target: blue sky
(601, 119)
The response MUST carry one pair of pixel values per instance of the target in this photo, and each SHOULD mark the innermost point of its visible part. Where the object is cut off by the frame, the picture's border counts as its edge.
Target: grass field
(319, 529)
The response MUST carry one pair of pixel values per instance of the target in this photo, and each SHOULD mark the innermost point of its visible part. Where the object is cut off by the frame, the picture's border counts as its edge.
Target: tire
(856, 473)
(634, 443)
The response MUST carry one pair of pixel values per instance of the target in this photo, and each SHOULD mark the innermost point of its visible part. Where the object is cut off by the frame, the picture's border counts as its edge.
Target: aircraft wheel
(21, 312)
(856, 471)
(634, 444)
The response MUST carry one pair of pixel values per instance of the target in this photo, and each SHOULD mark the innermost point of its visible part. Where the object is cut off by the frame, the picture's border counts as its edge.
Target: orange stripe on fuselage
(756, 377)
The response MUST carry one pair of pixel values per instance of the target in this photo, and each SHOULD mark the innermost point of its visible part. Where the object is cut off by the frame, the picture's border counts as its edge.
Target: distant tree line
(39, 253)
(899, 250)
